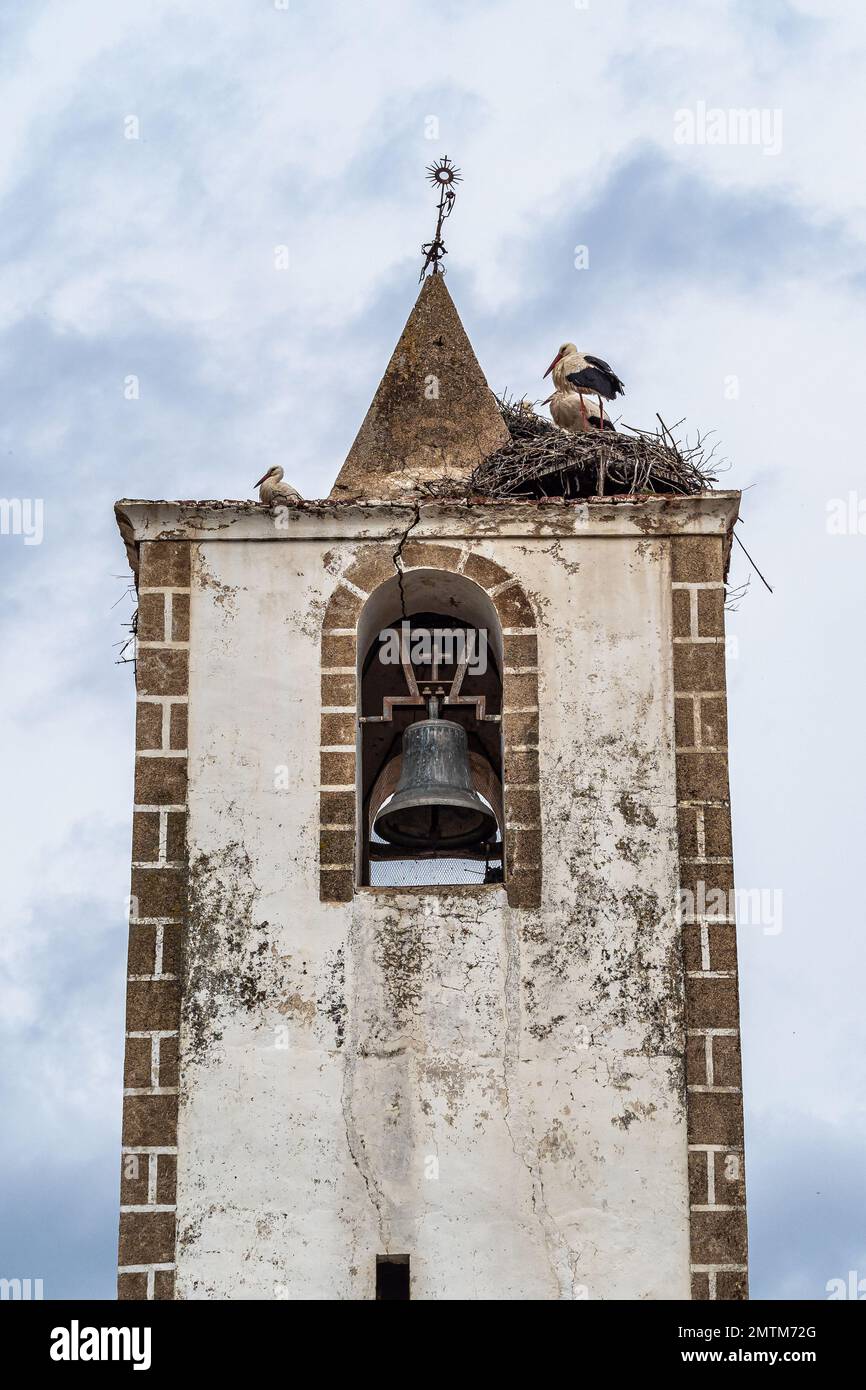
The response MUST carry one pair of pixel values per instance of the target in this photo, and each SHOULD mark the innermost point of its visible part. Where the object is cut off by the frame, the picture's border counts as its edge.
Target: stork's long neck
(563, 366)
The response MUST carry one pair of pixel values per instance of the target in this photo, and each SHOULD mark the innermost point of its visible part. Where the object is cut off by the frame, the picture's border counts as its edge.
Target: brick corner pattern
(146, 1260)
(714, 1099)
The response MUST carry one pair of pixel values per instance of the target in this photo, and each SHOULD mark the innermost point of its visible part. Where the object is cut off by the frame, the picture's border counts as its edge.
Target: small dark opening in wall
(392, 1276)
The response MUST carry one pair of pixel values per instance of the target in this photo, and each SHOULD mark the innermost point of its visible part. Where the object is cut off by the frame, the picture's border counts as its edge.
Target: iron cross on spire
(443, 175)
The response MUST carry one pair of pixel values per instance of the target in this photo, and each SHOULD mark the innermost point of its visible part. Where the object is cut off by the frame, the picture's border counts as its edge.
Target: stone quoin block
(162, 671)
(698, 1177)
(715, 1117)
(131, 1287)
(733, 1284)
(702, 775)
(178, 720)
(160, 781)
(692, 954)
(150, 1120)
(722, 939)
(141, 950)
(711, 612)
(172, 947)
(717, 831)
(148, 725)
(712, 1002)
(696, 559)
(146, 1237)
(152, 1004)
(727, 1069)
(160, 892)
(164, 564)
(168, 1071)
(151, 618)
(687, 827)
(696, 1060)
(718, 1237)
(682, 612)
(175, 847)
(699, 666)
(166, 1179)
(729, 1176)
(145, 835)
(134, 1180)
(179, 618)
(684, 722)
(714, 722)
(163, 1285)
(137, 1062)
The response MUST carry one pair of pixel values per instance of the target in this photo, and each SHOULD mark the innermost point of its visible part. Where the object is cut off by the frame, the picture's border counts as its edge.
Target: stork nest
(545, 461)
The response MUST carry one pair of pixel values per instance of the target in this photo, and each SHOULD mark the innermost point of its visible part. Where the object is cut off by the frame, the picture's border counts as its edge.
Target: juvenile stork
(591, 376)
(576, 413)
(274, 491)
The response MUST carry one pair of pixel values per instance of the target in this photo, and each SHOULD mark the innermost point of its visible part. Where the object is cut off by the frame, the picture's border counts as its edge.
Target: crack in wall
(398, 553)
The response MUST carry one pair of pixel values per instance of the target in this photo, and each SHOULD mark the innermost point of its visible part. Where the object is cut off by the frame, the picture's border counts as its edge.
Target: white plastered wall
(496, 1092)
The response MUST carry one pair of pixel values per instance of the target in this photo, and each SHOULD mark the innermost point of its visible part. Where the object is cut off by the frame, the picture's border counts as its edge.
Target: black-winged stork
(592, 376)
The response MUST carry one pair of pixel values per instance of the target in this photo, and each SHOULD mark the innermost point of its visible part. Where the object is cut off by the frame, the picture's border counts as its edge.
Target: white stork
(576, 413)
(273, 491)
(592, 376)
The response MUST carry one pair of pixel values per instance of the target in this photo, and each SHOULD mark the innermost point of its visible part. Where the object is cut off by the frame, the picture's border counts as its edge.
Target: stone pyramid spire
(433, 415)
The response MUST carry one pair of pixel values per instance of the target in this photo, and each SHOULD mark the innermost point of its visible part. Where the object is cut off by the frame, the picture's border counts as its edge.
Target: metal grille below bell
(434, 805)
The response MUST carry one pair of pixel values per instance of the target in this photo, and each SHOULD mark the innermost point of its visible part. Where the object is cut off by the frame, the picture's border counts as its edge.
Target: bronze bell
(435, 805)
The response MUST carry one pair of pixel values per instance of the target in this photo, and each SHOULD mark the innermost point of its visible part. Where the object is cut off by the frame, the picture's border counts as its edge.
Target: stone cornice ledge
(710, 513)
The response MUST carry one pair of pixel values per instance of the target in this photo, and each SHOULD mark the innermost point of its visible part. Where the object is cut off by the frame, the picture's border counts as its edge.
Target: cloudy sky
(153, 160)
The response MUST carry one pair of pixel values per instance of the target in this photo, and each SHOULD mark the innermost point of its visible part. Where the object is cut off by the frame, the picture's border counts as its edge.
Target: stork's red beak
(261, 480)
(552, 365)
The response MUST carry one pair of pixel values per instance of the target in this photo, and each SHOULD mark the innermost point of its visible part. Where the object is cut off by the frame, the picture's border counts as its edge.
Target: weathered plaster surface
(497, 1092)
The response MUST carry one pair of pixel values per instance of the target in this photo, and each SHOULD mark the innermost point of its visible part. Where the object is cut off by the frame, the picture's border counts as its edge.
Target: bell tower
(431, 796)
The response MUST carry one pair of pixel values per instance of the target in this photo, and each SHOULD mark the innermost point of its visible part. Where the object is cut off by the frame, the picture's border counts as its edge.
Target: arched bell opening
(430, 764)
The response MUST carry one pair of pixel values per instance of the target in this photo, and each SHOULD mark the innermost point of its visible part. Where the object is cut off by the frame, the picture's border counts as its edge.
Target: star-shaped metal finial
(443, 175)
